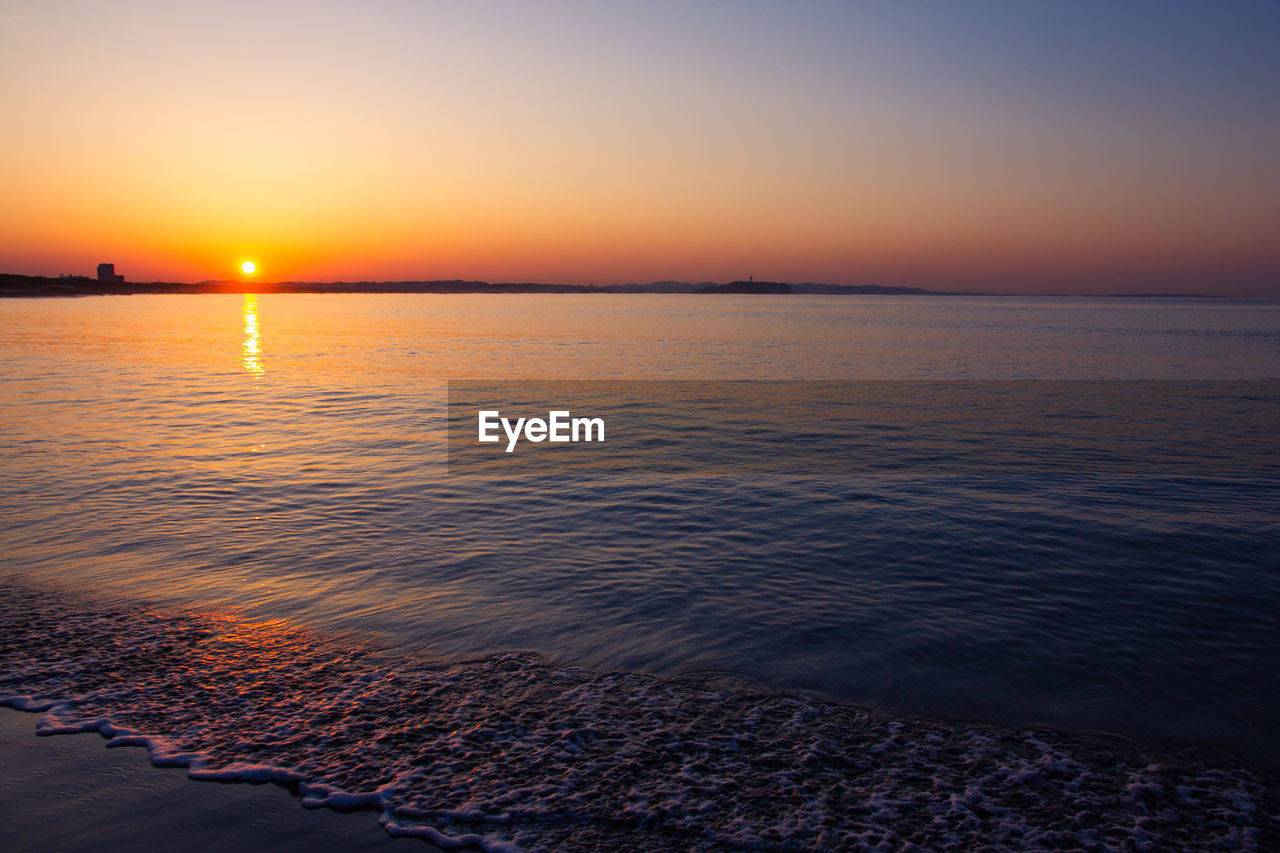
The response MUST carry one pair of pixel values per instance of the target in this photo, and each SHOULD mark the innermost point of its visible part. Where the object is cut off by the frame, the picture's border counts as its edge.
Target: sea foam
(511, 752)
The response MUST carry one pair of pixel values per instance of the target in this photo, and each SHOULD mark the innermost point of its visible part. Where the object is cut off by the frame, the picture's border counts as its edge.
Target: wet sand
(71, 793)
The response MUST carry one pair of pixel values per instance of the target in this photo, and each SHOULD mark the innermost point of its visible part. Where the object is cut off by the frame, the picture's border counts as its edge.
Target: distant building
(107, 272)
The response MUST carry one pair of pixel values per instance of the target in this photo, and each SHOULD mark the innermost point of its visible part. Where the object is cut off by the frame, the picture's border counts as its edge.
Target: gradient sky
(1012, 146)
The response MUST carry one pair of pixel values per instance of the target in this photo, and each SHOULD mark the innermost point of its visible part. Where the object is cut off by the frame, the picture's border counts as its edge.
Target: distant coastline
(14, 285)
(27, 285)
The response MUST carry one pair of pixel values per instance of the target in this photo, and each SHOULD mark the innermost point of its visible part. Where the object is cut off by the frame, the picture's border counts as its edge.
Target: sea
(845, 572)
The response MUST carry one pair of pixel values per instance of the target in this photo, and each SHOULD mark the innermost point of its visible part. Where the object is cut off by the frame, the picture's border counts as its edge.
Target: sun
(248, 268)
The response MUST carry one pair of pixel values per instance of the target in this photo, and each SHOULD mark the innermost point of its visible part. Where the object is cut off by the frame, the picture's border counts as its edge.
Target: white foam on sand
(68, 793)
(509, 752)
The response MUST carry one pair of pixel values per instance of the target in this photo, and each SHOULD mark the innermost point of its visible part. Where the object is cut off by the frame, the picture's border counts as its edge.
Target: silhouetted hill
(809, 287)
(748, 287)
(39, 285)
(27, 285)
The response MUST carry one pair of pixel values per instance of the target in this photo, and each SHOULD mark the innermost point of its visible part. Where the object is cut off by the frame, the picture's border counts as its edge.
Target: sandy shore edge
(70, 793)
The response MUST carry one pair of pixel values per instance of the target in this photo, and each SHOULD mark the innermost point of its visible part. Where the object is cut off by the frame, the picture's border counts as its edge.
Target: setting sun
(248, 268)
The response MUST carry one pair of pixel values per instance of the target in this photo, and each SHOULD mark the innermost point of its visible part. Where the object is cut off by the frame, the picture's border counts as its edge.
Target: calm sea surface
(286, 455)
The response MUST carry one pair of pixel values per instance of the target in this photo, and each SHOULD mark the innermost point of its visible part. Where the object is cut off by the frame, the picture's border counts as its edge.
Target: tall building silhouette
(107, 272)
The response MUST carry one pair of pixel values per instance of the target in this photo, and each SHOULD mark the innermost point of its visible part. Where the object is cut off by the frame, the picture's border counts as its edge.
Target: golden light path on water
(251, 358)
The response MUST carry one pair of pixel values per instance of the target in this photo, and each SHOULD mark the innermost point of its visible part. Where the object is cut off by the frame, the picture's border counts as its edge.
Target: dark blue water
(288, 456)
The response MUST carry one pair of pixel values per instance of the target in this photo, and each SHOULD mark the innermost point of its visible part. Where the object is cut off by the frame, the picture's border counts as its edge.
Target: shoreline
(73, 793)
(13, 285)
(512, 750)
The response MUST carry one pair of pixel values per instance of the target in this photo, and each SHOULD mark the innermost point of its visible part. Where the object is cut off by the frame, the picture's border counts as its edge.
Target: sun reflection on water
(251, 357)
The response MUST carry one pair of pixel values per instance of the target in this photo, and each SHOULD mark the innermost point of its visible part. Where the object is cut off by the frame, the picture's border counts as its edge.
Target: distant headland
(109, 283)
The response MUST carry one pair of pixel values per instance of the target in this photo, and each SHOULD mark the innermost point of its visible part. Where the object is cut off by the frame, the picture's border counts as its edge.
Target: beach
(513, 752)
(69, 793)
(997, 574)
(651, 425)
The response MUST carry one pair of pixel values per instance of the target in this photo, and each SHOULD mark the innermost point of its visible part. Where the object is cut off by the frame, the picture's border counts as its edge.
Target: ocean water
(881, 611)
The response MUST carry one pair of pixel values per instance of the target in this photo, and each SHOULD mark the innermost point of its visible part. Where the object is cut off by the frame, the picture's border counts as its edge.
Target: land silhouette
(14, 285)
(31, 285)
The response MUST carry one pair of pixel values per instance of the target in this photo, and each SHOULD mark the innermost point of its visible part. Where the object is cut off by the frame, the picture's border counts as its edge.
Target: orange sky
(1011, 147)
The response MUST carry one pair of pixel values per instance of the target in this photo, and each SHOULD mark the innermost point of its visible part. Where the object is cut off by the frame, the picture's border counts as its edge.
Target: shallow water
(287, 455)
(509, 752)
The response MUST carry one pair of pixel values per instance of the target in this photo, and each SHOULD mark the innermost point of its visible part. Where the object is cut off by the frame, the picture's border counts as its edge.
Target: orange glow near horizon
(550, 147)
